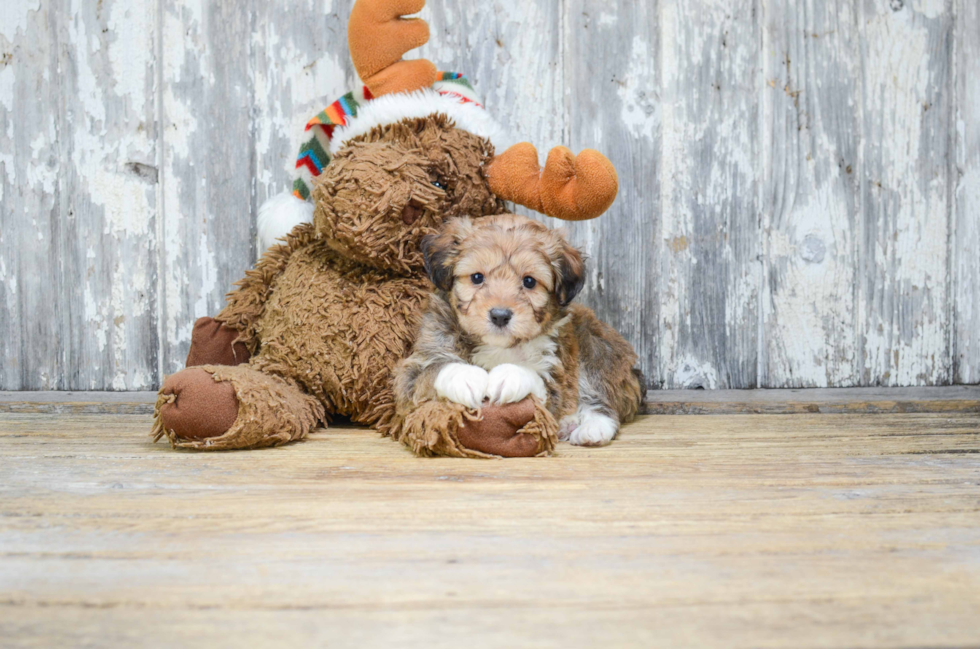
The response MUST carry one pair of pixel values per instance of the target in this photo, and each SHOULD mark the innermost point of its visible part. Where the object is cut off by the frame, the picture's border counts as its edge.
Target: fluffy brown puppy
(500, 328)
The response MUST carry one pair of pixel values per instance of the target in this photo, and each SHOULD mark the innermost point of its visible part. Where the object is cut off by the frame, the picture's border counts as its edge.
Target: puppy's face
(506, 277)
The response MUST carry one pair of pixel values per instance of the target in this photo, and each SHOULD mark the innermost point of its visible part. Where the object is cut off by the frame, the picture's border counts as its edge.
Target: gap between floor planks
(949, 399)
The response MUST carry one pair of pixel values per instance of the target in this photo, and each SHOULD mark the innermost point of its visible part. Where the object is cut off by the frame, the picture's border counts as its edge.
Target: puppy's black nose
(501, 317)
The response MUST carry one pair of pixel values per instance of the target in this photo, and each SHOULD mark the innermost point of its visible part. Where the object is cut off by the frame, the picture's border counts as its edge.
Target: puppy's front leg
(509, 383)
(463, 384)
(588, 427)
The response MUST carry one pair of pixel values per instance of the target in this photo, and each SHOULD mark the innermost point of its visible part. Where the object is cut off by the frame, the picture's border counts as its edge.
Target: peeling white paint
(208, 278)
(42, 177)
(314, 83)
(15, 15)
(180, 126)
(691, 374)
(131, 52)
(7, 80)
(126, 201)
(737, 264)
(95, 320)
(905, 312)
(966, 232)
(9, 170)
(709, 274)
(89, 94)
(640, 111)
(808, 310)
(930, 8)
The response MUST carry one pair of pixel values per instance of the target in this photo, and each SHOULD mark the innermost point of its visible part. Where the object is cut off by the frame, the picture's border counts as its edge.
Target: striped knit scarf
(314, 154)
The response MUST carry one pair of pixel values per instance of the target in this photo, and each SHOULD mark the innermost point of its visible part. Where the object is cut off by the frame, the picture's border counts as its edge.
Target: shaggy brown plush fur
(327, 315)
(271, 410)
(442, 428)
(397, 167)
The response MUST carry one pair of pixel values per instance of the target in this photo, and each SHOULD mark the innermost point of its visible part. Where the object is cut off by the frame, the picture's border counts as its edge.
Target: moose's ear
(569, 274)
(439, 253)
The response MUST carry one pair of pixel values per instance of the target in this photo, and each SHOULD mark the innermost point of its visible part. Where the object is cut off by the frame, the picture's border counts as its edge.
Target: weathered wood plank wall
(800, 198)
(965, 173)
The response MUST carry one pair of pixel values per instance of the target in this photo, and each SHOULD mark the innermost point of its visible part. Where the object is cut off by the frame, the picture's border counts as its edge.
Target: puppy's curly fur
(501, 316)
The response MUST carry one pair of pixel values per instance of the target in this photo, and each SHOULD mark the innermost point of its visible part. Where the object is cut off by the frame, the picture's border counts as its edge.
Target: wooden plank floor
(957, 398)
(744, 530)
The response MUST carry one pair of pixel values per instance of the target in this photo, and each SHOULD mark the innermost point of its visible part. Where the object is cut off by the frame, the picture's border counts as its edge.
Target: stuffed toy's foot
(193, 406)
(524, 429)
(218, 408)
(212, 343)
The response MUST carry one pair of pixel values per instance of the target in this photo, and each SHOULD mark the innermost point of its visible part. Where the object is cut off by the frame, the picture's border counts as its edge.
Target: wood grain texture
(952, 399)
(903, 290)
(512, 52)
(208, 164)
(611, 79)
(812, 530)
(966, 200)
(301, 65)
(710, 275)
(811, 202)
(959, 398)
(78, 190)
(799, 203)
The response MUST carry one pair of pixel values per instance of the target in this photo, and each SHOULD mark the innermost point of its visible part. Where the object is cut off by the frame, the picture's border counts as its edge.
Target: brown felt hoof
(201, 408)
(497, 433)
(212, 343)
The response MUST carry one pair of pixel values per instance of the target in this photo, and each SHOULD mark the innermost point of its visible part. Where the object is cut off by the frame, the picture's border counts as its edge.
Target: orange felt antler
(378, 36)
(570, 188)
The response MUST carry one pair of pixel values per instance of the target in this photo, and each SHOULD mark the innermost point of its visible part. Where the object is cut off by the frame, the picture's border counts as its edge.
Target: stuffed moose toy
(318, 326)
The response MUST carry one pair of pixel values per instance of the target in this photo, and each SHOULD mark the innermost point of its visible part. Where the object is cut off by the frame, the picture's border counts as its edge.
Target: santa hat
(356, 114)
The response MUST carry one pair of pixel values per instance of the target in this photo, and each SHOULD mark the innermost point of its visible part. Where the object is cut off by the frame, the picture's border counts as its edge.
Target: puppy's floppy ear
(569, 274)
(439, 252)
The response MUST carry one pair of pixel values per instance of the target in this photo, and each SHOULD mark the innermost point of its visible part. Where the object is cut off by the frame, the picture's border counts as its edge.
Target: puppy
(500, 327)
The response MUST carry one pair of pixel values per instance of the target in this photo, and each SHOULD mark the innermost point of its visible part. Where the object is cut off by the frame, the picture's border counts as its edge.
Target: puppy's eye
(477, 278)
(439, 184)
(530, 282)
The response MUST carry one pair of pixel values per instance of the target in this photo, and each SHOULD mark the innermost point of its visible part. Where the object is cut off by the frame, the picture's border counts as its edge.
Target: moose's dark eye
(477, 278)
(530, 282)
(438, 183)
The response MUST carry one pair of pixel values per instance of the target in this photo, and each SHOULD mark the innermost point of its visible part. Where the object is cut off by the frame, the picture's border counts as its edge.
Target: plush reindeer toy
(317, 327)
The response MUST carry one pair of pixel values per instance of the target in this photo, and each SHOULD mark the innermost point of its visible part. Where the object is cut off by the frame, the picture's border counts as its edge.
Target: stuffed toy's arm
(212, 343)
(247, 302)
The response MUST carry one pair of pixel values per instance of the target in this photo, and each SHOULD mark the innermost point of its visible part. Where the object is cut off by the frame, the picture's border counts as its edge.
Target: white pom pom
(279, 215)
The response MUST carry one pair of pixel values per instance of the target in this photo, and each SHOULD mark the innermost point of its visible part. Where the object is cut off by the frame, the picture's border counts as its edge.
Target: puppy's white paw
(511, 383)
(594, 429)
(463, 384)
(567, 426)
